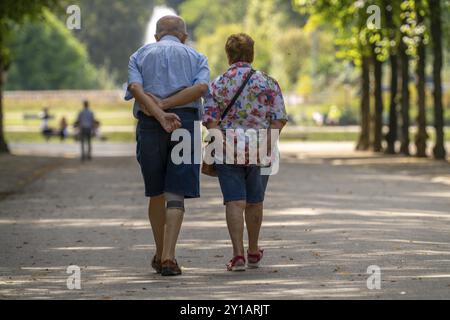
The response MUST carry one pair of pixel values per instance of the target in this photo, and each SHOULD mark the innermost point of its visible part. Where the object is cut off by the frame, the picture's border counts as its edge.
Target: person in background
(86, 123)
(47, 132)
(63, 129)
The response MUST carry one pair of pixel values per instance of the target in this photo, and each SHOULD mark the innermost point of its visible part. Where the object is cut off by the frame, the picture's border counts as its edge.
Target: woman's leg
(256, 188)
(235, 222)
(253, 220)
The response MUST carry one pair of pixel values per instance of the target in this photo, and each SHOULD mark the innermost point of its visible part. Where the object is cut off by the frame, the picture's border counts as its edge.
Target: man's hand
(169, 121)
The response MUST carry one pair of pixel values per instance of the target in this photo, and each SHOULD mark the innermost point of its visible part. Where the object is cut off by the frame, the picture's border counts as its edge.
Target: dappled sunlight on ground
(327, 219)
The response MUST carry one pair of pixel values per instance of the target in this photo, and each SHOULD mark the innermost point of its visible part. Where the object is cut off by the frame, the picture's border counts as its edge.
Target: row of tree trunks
(400, 70)
(436, 36)
(364, 137)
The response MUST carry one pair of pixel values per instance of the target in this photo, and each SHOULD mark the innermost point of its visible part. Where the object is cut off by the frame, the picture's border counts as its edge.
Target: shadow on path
(327, 220)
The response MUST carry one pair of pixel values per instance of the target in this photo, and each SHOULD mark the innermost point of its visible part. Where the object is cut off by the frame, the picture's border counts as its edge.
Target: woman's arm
(278, 124)
(181, 98)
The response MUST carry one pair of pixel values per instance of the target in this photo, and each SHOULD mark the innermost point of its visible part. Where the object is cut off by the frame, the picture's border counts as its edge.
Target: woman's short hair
(240, 47)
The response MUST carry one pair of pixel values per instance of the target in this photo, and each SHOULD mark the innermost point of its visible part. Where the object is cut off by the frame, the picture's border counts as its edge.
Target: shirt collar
(170, 38)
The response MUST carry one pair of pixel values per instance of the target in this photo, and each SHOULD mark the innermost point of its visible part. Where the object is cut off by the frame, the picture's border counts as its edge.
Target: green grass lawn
(112, 112)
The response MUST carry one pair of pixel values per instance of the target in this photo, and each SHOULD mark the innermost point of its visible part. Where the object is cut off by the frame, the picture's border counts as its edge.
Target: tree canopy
(46, 56)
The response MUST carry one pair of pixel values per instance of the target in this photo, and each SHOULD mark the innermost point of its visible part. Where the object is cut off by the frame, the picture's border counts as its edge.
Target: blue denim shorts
(242, 183)
(153, 151)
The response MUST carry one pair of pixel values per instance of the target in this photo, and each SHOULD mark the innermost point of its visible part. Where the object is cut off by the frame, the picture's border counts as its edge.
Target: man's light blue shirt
(165, 68)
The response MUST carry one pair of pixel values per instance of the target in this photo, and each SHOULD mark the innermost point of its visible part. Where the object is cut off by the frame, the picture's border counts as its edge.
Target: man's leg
(89, 144)
(174, 219)
(235, 222)
(157, 217)
(253, 220)
(82, 142)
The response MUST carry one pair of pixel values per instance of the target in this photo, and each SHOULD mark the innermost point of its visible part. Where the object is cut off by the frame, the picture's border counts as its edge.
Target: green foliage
(263, 23)
(48, 57)
(13, 13)
(204, 17)
(213, 46)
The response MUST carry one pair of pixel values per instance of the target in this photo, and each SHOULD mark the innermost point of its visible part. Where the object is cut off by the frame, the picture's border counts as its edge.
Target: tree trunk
(3, 146)
(378, 114)
(392, 136)
(364, 138)
(405, 99)
(422, 136)
(436, 36)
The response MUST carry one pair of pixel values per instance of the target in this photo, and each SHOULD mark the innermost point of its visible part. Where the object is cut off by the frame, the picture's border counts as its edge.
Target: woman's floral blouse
(260, 103)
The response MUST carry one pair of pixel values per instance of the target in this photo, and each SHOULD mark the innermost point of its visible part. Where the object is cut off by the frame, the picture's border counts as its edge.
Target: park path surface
(330, 214)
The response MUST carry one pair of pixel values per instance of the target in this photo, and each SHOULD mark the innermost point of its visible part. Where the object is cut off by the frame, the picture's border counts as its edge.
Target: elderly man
(167, 76)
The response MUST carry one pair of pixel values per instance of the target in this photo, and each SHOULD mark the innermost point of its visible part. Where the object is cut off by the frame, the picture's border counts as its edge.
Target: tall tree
(436, 37)
(349, 18)
(421, 136)
(13, 13)
(364, 136)
(390, 10)
(378, 112)
(405, 76)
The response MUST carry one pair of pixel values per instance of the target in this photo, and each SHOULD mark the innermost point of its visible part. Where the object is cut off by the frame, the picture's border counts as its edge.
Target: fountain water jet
(158, 13)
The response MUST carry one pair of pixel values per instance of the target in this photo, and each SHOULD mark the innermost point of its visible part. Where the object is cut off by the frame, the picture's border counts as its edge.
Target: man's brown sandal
(156, 264)
(170, 268)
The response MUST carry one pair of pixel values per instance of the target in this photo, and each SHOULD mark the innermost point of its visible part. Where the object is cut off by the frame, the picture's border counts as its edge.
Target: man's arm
(169, 121)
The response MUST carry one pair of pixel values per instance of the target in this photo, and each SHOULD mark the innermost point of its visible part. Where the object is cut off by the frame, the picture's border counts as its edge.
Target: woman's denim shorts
(242, 183)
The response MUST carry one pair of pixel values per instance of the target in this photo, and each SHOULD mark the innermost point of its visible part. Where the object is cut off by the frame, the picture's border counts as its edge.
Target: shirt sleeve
(278, 111)
(203, 73)
(134, 75)
(212, 109)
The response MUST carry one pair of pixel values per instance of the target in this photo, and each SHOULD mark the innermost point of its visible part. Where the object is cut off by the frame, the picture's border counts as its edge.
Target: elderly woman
(243, 99)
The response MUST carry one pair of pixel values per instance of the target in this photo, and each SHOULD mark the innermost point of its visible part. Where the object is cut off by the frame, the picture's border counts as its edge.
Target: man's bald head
(171, 25)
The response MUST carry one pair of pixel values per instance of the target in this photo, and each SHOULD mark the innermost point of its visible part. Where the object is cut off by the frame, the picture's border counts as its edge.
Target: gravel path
(328, 218)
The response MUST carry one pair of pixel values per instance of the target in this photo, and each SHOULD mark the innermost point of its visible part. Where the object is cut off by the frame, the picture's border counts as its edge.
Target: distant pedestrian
(62, 129)
(86, 124)
(46, 131)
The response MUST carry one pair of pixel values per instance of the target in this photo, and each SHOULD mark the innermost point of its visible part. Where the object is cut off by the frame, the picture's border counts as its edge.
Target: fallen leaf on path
(337, 269)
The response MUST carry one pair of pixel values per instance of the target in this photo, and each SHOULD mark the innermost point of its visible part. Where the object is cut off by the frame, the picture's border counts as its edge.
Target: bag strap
(238, 93)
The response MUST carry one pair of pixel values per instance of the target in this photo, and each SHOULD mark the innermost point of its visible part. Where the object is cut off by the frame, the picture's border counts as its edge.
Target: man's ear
(157, 37)
(184, 38)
